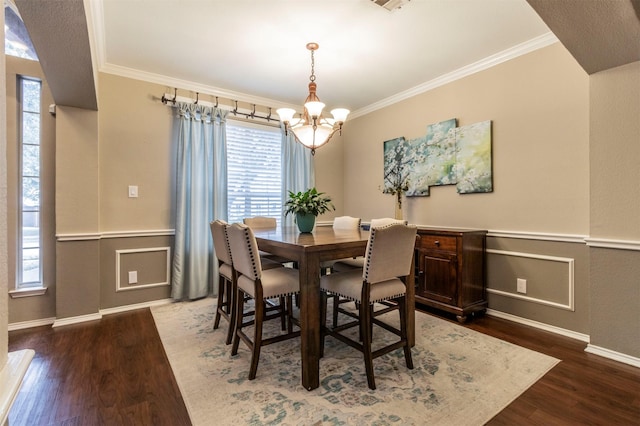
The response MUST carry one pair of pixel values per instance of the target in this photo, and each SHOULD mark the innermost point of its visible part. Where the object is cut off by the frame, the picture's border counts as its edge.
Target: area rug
(460, 377)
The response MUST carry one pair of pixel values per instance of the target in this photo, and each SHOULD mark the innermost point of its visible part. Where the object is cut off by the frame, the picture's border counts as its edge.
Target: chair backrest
(384, 221)
(244, 251)
(260, 222)
(221, 241)
(389, 252)
(346, 223)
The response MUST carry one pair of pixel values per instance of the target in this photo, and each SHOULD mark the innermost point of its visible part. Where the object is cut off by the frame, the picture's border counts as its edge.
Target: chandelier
(311, 129)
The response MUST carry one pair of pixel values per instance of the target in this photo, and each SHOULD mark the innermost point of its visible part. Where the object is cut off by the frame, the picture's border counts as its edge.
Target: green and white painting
(473, 158)
(396, 165)
(445, 155)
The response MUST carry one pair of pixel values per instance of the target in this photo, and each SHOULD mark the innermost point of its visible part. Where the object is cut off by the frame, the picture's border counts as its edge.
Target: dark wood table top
(328, 242)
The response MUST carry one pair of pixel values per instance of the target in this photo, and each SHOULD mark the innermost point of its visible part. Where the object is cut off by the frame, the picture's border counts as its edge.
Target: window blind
(254, 175)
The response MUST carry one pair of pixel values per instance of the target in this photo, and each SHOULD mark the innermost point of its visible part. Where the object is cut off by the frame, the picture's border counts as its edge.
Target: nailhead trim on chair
(227, 245)
(371, 302)
(371, 242)
(251, 253)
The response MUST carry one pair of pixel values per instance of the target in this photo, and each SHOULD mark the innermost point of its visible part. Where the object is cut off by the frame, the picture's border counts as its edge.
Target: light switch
(133, 191)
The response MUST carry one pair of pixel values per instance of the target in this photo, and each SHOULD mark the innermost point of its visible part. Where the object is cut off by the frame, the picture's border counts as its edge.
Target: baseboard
(592, 349)
(540, 325)
(134, 306)
(31, 324)
(76, 320)
(54, 322)
(616, 356)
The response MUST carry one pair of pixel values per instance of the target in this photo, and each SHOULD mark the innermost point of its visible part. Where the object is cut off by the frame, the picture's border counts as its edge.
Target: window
(16, 39)
(29, 272)
(254, 171)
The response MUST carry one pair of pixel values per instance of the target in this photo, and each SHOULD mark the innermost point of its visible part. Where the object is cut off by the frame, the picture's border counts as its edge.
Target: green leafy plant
(308, 202)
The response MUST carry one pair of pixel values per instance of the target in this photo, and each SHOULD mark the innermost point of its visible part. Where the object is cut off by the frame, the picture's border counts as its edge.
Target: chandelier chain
(312, 77)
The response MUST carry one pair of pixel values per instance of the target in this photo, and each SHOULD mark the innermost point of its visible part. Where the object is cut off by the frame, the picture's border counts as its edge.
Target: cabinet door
(438, 277)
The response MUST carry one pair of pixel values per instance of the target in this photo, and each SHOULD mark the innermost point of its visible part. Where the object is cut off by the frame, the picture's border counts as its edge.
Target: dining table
(308, 251)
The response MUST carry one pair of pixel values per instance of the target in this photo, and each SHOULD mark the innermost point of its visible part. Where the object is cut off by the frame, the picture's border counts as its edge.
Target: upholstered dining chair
(358, 262)
(263, 222)
(254, 282)
(226, 282)
(388, 260)
(260, 222)
(340, 223)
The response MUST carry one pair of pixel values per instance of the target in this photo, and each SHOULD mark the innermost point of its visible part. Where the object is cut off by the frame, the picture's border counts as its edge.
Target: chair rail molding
(114, 234)
(613, 244)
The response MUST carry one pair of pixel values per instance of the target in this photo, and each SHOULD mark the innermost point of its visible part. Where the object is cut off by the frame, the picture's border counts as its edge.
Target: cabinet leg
(461, 318)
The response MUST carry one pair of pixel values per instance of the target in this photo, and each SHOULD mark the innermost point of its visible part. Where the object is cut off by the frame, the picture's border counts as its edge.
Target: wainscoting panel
(557, 275)
(150, 258)
(549, 279)
(146, 264)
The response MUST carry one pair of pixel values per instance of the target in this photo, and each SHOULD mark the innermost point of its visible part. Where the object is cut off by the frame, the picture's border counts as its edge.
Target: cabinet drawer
(437, 242)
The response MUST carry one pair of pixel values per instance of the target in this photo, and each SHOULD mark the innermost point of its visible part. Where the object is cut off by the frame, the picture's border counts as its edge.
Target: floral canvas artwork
(473, 158)
(432, 158)
(445, 155)
(396, 165)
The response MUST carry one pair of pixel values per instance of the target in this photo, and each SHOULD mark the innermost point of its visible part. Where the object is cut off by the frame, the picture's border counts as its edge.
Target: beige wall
(615, 208)
(539, 106)
(77, 171)
(615, 153)
(136, 148)
(329, 168)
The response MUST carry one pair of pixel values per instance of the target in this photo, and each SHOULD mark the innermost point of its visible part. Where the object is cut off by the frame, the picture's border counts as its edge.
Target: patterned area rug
(460, 377)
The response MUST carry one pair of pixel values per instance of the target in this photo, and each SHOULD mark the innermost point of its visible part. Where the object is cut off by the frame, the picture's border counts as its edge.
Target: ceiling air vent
(391, 5)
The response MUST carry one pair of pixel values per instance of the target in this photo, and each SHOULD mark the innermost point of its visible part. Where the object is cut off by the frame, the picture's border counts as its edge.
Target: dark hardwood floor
(115, 372)
(108, 372)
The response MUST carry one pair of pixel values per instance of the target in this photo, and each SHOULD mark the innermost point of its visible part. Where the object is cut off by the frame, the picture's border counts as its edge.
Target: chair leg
(323, 320)
(221, 303)
(336, 304)
(289, 311)
(283, 313)
(231, 312)
(365, 330)
(239, 307)
(402, 308)
(257, 340)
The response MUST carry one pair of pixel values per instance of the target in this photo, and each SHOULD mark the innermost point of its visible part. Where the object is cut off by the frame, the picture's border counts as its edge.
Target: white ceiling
(254, 50)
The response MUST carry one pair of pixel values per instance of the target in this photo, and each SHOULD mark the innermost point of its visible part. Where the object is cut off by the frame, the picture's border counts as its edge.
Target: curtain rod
(249, 114)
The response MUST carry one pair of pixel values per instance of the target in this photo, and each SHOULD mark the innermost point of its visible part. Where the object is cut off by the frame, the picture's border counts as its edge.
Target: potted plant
(306, 206)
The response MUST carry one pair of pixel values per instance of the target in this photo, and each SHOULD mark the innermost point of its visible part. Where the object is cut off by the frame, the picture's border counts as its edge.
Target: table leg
(310, 320)
(411, 306)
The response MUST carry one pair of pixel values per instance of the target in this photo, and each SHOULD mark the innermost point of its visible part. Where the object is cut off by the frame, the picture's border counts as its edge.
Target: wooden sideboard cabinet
(451, 270)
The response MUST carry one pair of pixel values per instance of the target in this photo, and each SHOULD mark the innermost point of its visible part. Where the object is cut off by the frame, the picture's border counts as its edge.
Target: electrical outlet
(133, 277)
(521, 285)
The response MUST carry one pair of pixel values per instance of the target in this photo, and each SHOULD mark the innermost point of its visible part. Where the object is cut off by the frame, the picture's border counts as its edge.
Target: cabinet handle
(437, 242)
